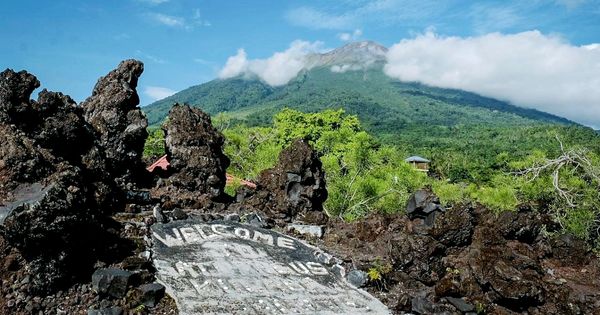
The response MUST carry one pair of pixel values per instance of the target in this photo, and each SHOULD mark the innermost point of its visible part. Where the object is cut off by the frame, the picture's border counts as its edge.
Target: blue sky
(68, 44)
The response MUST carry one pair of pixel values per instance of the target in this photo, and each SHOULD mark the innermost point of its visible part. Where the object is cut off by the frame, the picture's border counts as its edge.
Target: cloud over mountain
(158, 92)
(528, 69)
(276, 70)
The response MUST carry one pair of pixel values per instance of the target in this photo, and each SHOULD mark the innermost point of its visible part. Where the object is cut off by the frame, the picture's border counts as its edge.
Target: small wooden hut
(420, 163)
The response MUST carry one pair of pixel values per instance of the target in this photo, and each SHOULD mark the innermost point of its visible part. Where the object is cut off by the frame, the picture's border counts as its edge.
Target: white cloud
(592, 46)
(158, 93)
(168, 20)
(276, 70)
(346, 67)
(235, 65)
(346, 37)
(528, 69)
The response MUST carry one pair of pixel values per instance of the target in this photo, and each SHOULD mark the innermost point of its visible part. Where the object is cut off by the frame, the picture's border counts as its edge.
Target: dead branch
(576, 158)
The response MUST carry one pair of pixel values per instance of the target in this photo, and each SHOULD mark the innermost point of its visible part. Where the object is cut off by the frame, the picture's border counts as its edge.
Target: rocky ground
(468, 259)
(76, 206)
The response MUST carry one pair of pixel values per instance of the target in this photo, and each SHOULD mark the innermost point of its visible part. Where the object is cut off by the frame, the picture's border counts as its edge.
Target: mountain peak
(367, 45)
(355, 54)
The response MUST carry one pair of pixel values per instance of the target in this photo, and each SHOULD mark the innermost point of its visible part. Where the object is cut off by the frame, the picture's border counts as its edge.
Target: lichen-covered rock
(118, 122)
(294, 190)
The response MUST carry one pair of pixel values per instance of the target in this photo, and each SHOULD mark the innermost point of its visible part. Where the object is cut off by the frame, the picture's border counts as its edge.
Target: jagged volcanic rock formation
(119, 124)
(195, 151)
(55, 183)
(196, 175)
(294, 190)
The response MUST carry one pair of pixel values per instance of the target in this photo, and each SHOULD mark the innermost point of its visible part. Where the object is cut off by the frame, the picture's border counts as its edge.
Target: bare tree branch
(576, 158)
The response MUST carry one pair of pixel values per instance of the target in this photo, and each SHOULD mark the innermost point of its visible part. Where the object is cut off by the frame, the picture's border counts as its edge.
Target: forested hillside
(554, 169)
(364, 124)
(384, 104)
(461, 132)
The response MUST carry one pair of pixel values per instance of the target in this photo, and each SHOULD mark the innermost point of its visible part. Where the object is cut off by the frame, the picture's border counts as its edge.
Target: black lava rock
(150, 294)
(107, 311)
(110, 281)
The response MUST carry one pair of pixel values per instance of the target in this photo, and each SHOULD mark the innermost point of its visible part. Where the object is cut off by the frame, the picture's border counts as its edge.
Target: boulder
(150, 294)
(195, 151)
(21, 161)
(461, 304)
(294, 190)
(423, 204)
(308, 230)
(52, 182)
(454, 227)
(111, 282)
(44, 211)
(570, 248)
(196, 174)
(178, 214)
(118, 122)
(421, 305)
(57, 124)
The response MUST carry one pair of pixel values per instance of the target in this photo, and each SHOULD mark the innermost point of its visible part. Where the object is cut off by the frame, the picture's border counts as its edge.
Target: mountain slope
(351, 77)
(381, 102)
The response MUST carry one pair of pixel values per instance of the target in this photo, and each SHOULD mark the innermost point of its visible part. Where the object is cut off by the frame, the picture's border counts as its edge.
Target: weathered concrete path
(230, 268)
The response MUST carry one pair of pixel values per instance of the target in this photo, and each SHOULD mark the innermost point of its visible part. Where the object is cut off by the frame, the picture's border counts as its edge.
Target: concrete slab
(224, 267)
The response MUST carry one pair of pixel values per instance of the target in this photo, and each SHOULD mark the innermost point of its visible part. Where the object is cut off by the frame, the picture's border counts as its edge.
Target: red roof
(160, 163)
(163, 163)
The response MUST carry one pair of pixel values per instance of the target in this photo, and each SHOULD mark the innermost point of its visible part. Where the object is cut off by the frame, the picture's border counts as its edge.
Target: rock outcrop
(468, 259)
(15, 90)
(294, 190)
(55, 183)
(65, 168)
(196, 174)
(423, 204)
(195, 151)
(118, 122)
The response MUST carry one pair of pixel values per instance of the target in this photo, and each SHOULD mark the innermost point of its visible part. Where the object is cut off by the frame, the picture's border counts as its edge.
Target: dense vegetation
(481, 149)
(384, 105)
(553, 168)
